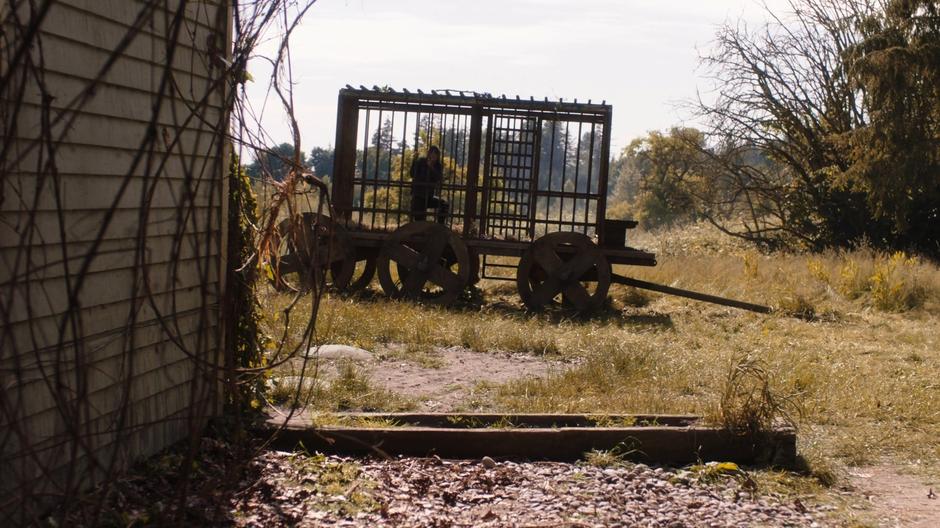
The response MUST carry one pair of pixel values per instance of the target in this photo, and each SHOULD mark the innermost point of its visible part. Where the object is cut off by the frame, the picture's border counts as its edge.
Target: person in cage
(426, 175)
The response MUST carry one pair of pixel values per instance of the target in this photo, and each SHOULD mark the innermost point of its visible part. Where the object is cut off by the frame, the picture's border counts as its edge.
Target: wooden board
(686, 442)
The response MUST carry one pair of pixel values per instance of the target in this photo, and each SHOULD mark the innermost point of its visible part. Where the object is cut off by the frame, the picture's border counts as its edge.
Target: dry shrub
(751, 265)
(852, 282)
(888, 282)
(797, 305)
(748, 405)
(697, 258)
(471, 337)
(894, 284)
(700, 238)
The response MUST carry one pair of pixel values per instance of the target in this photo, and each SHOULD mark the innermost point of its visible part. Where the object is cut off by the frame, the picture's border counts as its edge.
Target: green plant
(893, 285)
(326, 477)
(616, 456)
(247, 340)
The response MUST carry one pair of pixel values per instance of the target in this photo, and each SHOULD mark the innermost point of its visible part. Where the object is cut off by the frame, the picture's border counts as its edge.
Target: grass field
(852, 350)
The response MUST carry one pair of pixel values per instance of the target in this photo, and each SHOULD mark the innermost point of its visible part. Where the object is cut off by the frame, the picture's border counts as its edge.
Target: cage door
(510, 178)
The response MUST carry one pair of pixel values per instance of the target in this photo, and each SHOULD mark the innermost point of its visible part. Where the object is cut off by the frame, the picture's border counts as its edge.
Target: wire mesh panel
(508, 183)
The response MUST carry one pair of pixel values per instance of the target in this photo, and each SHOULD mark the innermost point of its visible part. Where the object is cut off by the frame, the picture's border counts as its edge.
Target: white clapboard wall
(133, 228)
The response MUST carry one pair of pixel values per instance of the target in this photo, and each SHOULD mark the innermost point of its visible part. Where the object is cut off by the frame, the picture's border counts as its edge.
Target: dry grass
(349, 389)
(701, 258)
(863, 355)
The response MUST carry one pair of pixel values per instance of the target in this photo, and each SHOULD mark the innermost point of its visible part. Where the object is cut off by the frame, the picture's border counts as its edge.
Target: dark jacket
(424, 177)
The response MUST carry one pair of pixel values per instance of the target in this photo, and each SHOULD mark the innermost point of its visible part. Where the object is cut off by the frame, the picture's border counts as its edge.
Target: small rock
(339, 352)
(488, 462)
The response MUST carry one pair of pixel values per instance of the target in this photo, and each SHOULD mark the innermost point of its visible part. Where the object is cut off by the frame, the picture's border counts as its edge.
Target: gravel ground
(437, 493)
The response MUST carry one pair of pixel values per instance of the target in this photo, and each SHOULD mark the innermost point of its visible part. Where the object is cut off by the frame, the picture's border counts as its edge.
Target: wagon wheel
(315, 244)
(569, 264)
(431, 261)
(474, 267)
(361, 273)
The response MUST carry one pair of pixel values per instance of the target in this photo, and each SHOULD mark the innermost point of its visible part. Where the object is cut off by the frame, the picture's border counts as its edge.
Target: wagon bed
(523, 178)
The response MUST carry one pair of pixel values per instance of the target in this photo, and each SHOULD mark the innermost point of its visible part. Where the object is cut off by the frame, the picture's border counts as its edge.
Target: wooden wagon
(525, 179)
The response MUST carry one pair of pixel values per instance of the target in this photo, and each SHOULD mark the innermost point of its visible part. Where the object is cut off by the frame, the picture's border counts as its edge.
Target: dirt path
(897, 499)
(452, 384)
(447, 379)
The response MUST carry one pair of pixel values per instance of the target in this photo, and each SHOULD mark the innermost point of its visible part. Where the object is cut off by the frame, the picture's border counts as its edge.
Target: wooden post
(602, 174)
(473, 171)
(344, 156)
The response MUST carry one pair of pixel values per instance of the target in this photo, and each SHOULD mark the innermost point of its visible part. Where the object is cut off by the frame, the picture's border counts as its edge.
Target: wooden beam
(473, 172)
(704, 297)
(660, 444)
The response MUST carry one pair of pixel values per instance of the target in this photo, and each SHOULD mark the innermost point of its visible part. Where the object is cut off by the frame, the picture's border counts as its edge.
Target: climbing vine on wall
(247, 339)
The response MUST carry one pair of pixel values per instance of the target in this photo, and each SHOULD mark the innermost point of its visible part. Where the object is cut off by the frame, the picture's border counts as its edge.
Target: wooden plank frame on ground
(652, 439)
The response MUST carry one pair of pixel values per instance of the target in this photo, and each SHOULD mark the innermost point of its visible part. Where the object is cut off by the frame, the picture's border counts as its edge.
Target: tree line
(823, 131)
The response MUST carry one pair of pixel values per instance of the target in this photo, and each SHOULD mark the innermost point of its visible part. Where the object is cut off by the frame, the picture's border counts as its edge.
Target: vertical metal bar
(518, 176)
(388, 179)
(467, 121)
(375, 174)
(551, 168)
(401, 171)
(497, 173)
(577, 176)
(520, 200)
(534, 176)
(417, 136)
(493, 175)
(473, 171)
(602, 177)
(551, 156)
(414, 158)
(430, 133)
(511, 134)
(441, 146)
(460, 180)
(487, 169)
(564, 175)
(443, 134)
(365, 169)
(509, 173)
(587, 209)
(453, 169)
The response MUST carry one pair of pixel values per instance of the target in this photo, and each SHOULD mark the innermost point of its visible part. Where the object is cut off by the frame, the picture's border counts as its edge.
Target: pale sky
(639, 55)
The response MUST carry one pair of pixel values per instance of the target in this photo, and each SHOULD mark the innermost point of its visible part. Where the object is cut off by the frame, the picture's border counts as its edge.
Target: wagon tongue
(704, 297)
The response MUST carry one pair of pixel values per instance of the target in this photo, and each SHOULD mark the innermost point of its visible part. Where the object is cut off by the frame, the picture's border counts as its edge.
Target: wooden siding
(152, 284)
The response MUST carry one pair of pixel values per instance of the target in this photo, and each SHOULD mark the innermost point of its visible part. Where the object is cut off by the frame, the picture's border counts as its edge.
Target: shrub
(894, 285)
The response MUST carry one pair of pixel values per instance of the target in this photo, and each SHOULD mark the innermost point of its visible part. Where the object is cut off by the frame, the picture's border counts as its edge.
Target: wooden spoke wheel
(566, 264)
(431, 263)
(310, 247)
(359, 276)
(474, 267)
